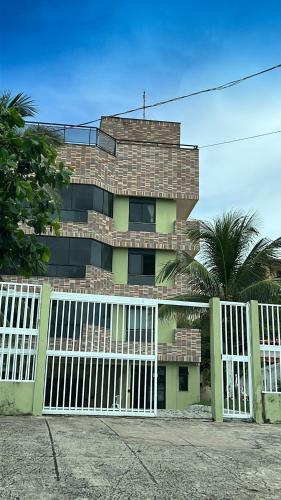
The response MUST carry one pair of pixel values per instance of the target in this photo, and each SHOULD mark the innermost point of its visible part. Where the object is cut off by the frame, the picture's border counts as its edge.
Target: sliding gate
(102, 355)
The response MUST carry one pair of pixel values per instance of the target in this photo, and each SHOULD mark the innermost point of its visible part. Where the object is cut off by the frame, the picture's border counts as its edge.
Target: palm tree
(234, 263)
(25, 106)
(20, 102)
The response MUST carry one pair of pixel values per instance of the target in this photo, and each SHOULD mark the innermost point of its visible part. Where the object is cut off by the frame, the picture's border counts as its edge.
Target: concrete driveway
(121, 458)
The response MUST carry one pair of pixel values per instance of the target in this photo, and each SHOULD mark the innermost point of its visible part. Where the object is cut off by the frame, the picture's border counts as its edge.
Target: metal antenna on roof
(143, 96)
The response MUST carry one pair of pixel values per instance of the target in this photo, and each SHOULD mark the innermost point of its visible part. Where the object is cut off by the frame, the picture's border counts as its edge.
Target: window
(69, 319)
(139, 324)
(70, 256)
(141, 267)
(78, 199)
(142, 214)
(183, 378)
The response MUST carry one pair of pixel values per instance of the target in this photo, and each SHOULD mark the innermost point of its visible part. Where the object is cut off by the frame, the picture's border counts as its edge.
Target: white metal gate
(236, 366)
(270, 347)
(102, 355)
(19, 326)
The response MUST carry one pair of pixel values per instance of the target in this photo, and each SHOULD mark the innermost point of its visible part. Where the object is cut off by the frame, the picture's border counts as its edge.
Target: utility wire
(173, 99)
(240, 139)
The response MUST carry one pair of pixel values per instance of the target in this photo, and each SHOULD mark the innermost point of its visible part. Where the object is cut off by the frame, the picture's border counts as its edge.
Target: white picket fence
(19, 326)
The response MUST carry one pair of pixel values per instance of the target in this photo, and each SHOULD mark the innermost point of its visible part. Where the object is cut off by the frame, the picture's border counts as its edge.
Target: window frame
(181, 375)
(142, 225)
(140, 278)
(105, 207)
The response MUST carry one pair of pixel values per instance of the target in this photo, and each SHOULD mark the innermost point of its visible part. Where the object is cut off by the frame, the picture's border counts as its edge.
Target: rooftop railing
(78, 134)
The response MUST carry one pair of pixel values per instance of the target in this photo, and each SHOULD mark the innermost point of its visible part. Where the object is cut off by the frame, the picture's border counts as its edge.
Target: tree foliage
(29, 177)
(233, 264)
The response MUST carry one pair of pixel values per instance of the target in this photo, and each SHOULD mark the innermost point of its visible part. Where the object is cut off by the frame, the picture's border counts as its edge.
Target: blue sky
(79, 60)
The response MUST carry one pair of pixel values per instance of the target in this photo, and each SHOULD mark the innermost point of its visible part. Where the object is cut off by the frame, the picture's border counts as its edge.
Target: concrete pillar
(216, 363)
(41, 352)
(255, 360)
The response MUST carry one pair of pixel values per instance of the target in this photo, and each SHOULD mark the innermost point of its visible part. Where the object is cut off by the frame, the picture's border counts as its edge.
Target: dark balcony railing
(73, 134)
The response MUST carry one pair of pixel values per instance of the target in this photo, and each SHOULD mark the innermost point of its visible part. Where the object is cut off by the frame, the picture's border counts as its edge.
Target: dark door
(161, 388)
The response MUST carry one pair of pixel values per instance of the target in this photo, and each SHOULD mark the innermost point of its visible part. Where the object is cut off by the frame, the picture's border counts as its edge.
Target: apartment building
(123, 217)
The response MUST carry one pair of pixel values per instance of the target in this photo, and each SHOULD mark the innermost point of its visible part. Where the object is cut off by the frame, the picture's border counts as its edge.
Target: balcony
(80, 135)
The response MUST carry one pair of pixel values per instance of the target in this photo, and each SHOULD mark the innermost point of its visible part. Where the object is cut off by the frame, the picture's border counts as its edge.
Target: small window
(183, 378)
(141, 270)
(142, 214)
(139, 324)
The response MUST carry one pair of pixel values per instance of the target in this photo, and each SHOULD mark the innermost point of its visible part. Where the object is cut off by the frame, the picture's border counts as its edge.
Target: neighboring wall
(16, 398)
(176, 399)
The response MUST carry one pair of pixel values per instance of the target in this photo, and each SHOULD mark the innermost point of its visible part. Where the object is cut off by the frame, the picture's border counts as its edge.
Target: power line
(240, 139)
(174, 99)
(192, 94)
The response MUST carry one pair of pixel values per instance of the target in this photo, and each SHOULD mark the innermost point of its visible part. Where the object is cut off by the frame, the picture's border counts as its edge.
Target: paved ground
(122, 458)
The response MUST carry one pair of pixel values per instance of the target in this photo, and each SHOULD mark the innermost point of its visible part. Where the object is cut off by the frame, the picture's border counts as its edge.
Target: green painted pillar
(255, 360)
(216, 363)
(41, 352)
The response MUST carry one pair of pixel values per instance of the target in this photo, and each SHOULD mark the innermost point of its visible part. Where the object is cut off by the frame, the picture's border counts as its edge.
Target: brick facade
(141, 130)
(145, 170)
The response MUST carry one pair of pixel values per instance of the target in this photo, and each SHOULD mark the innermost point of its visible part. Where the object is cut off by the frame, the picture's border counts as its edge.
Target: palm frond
(21, 102)
(267, 290)
(262, 259)
(167, 311)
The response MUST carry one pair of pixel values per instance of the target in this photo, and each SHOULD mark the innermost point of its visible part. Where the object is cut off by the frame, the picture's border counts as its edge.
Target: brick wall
(141, 130)
(137, 170)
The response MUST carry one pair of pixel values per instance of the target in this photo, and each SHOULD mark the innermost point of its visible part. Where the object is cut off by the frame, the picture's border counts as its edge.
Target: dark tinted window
(69, 256)
(96, 251)
(98, 199)
(79, 251)
(142, 262)
(59, 250)
(108, 203)
(74, 215)
(135, 263)
(141, 269)
(183, 378)
(85, 197)
(106, 262)
(66, 197)
(82, 197)
(65, 271)
(142, 210)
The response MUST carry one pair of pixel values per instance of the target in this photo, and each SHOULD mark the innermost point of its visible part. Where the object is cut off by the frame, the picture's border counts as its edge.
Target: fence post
(41, 350)
(255, 360)
(216, 368)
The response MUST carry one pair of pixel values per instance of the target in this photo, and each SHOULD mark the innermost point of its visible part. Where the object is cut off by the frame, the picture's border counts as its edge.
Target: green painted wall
(16, 398)
(271, 408)
(161, 257)
(120, 265)
(176, 399)
(121, 212)
(166, 214)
